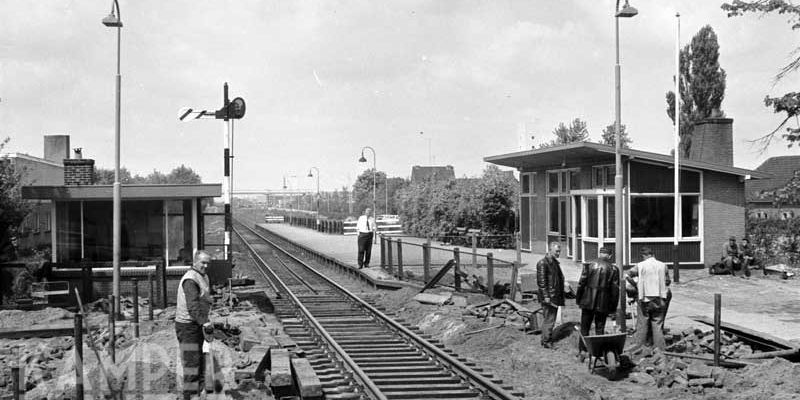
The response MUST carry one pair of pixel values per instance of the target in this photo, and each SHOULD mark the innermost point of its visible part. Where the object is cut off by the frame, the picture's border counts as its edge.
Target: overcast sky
(324, 78)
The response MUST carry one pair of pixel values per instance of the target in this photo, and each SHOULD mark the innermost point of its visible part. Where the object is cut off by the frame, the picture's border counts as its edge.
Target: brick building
(567, 195)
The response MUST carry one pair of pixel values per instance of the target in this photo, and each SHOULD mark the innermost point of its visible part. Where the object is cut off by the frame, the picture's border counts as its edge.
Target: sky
(323, 79)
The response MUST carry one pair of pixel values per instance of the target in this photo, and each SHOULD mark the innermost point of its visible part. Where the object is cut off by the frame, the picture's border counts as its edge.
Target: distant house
(782, 170)
(440, 173)
(35, 229)
(567, 195)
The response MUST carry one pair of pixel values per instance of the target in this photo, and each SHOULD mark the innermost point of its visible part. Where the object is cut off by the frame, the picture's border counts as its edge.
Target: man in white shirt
(653, 298)
(366, 232)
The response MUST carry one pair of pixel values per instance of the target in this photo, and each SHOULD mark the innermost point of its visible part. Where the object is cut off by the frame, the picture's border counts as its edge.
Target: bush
(774, 239)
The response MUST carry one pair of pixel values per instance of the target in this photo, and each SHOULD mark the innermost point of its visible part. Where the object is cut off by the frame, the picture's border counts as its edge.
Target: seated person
(731, 256)
(748, 256)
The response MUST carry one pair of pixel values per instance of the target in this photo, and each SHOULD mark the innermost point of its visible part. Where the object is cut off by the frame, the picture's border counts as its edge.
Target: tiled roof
(781, 169)
(419, 173)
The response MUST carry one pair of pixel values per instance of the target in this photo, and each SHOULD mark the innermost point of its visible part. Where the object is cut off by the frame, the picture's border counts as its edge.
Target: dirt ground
(519, 360)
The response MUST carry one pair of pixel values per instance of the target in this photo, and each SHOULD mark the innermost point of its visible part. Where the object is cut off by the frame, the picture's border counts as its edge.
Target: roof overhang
(128, 192)
(583, 152)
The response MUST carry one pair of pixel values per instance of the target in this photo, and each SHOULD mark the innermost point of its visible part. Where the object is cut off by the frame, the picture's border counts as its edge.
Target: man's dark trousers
(364, 248)
(190, 345)
(548, 321)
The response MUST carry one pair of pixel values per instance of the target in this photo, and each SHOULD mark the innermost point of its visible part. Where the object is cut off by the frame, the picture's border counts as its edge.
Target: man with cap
(598, 293)
(191, 318)
(731, 256)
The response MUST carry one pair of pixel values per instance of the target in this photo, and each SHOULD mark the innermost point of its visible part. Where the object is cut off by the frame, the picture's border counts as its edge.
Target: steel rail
(361, 375)
(296, 275)
(483, 384)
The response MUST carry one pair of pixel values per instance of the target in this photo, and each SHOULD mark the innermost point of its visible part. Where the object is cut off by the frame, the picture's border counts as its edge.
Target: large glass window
(591, 217)
(690, 216)
(552, 182)
(553, 205)
(526, 183)
(609, 213)
(574, 180)
(652, 216)
(649, 178)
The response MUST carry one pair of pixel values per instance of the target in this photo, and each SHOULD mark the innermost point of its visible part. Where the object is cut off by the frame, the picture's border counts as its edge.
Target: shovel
(213, 381)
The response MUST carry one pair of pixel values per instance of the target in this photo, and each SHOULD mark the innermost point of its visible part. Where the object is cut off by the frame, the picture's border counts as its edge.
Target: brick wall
(712, 141)
(723, 212)
(78, 172)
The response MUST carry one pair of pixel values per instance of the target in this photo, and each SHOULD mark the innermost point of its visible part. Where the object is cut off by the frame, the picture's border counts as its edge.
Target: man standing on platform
(191, 318)
(366, 232)
(550, 280)
(598, 291)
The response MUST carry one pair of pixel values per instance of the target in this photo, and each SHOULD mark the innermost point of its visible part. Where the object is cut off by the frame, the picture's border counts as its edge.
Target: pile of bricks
(511, 312)
(37, 361)
(699, 341)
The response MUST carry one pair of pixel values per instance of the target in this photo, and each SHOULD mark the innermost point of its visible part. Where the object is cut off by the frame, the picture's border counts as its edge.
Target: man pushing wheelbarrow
(598, 291)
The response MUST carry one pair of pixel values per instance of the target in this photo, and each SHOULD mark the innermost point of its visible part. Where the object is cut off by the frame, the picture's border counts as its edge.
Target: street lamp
(310, 175)
(626, 12)
(374, 169)
(114, 20)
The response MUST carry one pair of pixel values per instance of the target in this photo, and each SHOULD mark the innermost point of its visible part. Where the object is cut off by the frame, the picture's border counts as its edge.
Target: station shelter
(567, 195)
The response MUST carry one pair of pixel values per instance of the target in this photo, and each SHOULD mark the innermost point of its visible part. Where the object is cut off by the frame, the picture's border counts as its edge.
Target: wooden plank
(280, 369)
(747, 334)
(308, 383)
(60, 329)
(439, 275)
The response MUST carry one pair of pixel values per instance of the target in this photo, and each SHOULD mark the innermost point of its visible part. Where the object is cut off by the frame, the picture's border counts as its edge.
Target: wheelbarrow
(605, 349)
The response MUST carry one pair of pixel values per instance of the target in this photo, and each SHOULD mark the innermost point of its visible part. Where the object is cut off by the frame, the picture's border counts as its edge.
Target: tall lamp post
(310, 175)
(626, 12)
(114, 20)
(374, 170)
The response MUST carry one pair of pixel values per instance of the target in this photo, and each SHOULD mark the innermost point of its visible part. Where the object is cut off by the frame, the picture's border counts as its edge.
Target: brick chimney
(712, 141)
(78, 171)
(56, 147)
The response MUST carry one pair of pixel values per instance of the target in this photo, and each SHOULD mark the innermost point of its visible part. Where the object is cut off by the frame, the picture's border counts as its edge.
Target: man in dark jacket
(550, 280)
(598, 291)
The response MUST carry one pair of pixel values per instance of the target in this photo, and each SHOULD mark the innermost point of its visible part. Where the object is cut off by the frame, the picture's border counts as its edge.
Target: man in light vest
(191, 318)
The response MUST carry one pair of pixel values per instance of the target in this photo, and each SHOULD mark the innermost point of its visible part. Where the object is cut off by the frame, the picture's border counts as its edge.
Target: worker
(748, 252)
(652, 285)
(366, 233)
(731, 256)
(191, 320)
(598, 293)
(550, 280)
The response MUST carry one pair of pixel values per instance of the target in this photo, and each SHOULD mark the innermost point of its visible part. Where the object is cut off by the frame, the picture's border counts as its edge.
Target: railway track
(358, 351)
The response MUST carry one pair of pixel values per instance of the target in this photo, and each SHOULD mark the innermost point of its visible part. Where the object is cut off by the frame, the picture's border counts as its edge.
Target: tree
(183, 175)
(609, 136)
(155, 178)
(702, 84)
(789, 103)
(13, 208)
(575, 132)
(105, 176)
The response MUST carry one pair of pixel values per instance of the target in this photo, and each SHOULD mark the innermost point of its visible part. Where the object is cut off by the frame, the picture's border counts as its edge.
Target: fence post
(152, 297)
(426, 261)
(457, 269)
(112, 330)
(383, 251)
(78, 343)
(135, 307)
(474, 250)
(490, 274)
(717, 323)
(163, 267)
(18, 381)
(400, 258)
(516, 266)
(389, 254)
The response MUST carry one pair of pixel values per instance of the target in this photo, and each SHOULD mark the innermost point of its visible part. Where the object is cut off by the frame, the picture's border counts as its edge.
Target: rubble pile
(511, 312)
(668, 369)
(38, 358)
(700, 341)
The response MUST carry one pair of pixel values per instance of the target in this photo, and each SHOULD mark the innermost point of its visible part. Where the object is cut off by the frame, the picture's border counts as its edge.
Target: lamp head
(112, 21)
(310, 175)
(362, 159)
(627, 11)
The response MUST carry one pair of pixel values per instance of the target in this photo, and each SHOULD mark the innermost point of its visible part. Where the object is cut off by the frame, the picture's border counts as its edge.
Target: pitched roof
(781, 169)
(580, 151)
(128, 192)
(419, 173)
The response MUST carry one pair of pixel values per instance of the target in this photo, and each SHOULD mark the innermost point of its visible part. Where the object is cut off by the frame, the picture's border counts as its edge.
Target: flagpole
(677, 201)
